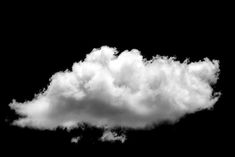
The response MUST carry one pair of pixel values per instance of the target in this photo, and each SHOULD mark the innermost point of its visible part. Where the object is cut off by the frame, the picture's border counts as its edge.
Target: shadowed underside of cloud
(126, 90)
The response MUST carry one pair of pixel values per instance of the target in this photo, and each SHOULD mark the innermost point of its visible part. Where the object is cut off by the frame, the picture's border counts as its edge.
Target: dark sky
(37, 45)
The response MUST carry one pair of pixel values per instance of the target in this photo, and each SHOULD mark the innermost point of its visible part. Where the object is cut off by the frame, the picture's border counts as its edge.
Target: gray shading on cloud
(124, 89)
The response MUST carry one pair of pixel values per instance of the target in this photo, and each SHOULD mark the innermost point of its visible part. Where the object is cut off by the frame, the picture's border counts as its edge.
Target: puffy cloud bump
(111, 89)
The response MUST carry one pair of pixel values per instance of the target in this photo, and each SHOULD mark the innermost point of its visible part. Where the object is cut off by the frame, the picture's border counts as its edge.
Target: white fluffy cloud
(75, 139)
(112, 136)
(111, 89)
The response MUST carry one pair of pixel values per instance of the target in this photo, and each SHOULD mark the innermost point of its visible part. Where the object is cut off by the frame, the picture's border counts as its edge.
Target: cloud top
(122, 89)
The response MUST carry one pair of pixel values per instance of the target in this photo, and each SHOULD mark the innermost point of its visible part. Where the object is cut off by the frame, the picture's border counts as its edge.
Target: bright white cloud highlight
(111, 89)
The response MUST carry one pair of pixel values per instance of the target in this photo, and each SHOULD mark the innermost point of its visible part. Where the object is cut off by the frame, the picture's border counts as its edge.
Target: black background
(38, 42)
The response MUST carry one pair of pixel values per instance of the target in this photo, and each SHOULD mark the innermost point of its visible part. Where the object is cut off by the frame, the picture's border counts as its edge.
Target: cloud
(122, 89)
(112, 136)
(75, 139)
